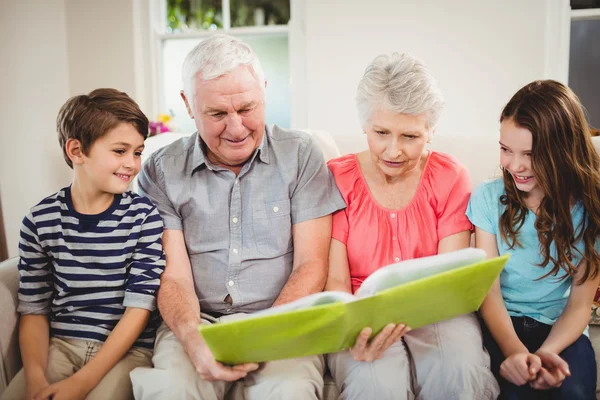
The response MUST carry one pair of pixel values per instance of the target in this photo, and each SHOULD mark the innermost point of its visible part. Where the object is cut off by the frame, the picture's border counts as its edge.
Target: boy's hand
(207, 367)
(71, 388)
(520, 368)
(34, 385)
(365, 351)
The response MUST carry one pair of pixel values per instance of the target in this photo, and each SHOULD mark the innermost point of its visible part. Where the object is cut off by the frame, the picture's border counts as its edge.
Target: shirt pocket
(272, 226)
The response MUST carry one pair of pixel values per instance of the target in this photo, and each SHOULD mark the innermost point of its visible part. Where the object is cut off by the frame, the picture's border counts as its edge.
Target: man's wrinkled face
(229, 112)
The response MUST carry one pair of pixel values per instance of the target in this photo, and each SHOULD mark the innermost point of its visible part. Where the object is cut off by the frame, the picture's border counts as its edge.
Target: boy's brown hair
(89, 117)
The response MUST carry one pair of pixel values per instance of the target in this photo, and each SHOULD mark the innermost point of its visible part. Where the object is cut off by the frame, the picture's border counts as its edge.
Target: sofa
(10, 359)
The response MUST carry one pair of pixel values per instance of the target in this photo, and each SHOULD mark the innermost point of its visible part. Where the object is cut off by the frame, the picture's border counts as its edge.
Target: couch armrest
(10, 358)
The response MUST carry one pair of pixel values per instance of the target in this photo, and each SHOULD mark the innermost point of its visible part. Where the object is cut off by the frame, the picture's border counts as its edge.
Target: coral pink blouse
(376, 236)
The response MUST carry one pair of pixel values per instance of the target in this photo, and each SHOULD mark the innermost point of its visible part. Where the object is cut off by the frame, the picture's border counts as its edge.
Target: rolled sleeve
(316, 193)
(339, 229)
(147, 265)
(35, 277)
(452, 219)
(151, 182)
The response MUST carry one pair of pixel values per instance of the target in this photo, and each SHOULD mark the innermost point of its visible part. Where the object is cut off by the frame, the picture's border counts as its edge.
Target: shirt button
(275, 209)
(393, 237)
(235, 251)
(230, 284)
(393, 215)
(397, 259)
(235, 220)
(237, 182)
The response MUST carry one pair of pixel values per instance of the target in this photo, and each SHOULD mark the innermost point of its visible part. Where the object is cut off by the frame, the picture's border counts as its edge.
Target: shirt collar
(199, 158)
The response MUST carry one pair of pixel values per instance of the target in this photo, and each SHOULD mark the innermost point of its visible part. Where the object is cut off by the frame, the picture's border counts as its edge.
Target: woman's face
(396, 141)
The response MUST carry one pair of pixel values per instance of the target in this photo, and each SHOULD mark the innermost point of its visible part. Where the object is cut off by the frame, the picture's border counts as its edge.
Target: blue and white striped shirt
(84, 270)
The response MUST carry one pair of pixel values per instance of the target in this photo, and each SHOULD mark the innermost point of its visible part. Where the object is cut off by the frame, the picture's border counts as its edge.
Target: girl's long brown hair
(567, 169)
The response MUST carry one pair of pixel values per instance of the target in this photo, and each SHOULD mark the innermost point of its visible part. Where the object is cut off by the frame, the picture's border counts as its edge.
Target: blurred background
(313, 51)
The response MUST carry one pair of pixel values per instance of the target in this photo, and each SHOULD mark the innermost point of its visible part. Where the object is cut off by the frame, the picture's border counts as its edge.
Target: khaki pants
(174, 376)
(440, 361)
(67, 356)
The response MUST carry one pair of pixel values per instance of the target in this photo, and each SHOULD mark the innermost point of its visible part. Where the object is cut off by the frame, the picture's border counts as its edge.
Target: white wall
(34, 85)
(480, 51)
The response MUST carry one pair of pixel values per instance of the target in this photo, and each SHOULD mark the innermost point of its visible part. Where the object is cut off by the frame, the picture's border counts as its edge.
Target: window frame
(159, 35)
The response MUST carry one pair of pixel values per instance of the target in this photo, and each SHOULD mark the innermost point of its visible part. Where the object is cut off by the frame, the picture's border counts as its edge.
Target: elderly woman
(403, 201)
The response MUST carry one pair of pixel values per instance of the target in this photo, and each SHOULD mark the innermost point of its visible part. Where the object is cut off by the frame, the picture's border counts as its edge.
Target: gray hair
(400, 83)
(216, 56)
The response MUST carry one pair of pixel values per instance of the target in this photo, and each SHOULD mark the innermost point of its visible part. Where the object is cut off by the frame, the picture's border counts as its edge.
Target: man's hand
(520, 368)
(553, 372)
(34, 385)
(72, 388)
(365, 351)
(207, 367)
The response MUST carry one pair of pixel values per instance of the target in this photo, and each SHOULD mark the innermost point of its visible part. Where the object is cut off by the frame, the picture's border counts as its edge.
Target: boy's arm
(34, 334)
(122, 337)
(35, 296)
(147, 264)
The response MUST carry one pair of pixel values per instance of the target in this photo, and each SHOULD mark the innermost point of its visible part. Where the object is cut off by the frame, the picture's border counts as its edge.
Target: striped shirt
(84, 270)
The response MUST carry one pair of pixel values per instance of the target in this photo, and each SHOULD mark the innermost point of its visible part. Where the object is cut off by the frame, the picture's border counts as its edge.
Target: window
(260, 23)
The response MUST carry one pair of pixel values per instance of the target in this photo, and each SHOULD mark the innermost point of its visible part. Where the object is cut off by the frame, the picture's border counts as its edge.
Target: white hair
(214, 57)
(399, 83)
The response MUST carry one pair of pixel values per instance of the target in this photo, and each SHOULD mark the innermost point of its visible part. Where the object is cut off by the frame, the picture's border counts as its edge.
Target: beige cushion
(10, 357)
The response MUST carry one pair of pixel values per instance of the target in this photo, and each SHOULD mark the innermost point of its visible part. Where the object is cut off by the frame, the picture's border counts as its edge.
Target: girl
(545, 213)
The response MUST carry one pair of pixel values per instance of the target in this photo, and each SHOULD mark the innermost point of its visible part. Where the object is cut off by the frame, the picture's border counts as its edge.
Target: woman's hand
(520, 368)
(365, 351)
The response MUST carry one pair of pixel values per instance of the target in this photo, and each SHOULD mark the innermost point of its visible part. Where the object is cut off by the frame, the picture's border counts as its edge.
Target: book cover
(415, 292)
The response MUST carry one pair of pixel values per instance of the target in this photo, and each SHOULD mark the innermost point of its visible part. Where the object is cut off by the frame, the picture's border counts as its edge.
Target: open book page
(418, 268)
(315, 299)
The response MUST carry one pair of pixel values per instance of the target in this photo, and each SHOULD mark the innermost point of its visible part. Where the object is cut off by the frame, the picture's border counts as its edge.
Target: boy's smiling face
(113, 160)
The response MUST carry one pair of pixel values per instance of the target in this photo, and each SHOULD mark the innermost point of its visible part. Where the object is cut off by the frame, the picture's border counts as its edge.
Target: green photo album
(415, 292)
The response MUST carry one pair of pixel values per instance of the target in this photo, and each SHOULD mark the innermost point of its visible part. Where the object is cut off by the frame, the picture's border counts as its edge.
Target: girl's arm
(493, 311)
(576, 315)
(338, 277)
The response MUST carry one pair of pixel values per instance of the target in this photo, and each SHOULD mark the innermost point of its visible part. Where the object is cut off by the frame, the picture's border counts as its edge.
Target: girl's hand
(553, 372)
(520, 368)
(365, 351)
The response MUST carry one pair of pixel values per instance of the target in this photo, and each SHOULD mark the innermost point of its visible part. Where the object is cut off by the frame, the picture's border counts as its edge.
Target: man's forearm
(307, 278)
(179, 307)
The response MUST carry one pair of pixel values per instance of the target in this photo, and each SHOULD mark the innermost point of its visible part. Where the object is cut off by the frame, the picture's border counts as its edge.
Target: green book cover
(415, 292)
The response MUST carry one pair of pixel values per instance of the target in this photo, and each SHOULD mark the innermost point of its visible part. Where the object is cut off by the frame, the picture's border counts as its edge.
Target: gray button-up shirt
(238, 229)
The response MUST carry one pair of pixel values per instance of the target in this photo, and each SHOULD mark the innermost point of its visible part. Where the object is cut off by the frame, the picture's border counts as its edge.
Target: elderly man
(247, 214)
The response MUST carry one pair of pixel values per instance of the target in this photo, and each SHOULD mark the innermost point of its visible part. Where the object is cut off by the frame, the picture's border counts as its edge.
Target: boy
(90, 261)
